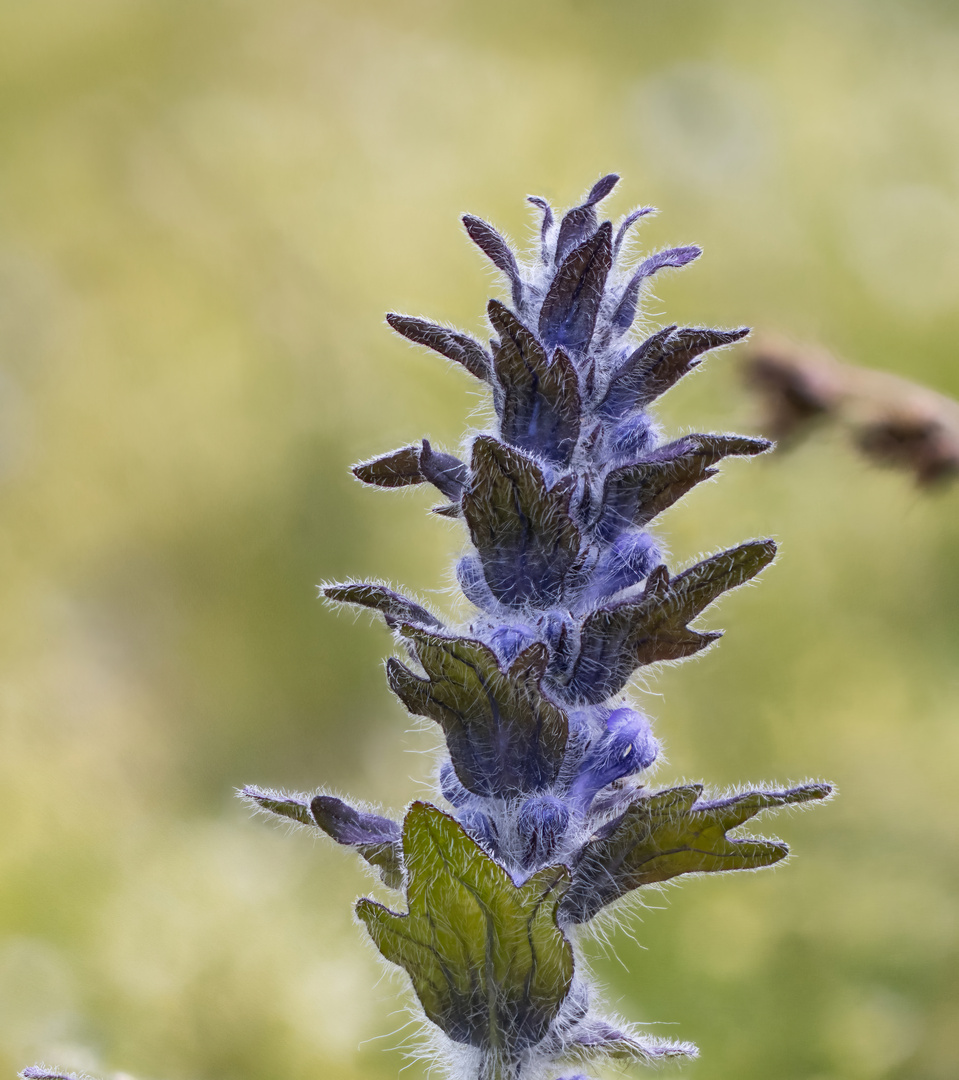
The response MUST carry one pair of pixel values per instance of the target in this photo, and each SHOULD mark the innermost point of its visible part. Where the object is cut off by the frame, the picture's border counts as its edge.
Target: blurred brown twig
(892, 421)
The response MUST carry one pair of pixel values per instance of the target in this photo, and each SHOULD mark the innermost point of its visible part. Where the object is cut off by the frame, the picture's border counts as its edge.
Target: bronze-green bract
(503, 734)
(486, 957)
(669, 833)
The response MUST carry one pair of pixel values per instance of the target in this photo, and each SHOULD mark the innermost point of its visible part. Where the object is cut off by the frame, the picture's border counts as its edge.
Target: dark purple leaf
(626, 308)
(460, 348)
(415, 465)
(615, 640)
(627, 223)
(522, 531)
(40, 1072)
(376, 839)
(568, 314)
(504, 736)
(540, 402)
(393, 606)
(634, 494)
(593, 1037)
(580, 223)
(495, 248)
(660, 362)
(680, 357)
(603, 186)
(444, 471)
(547, 223)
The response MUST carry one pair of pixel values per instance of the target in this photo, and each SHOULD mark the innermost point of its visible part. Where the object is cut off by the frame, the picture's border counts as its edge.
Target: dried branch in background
(891, 420)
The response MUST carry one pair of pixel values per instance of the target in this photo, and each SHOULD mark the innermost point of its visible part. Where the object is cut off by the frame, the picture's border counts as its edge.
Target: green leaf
(523, 531)
(669, 833)
(504, 736)
(486, 957)
(616, 640)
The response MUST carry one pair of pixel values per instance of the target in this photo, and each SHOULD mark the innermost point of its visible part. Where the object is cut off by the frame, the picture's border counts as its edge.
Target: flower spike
(546, 819)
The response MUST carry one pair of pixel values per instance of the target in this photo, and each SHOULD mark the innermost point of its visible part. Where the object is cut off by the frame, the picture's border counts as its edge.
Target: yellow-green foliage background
(205, 209)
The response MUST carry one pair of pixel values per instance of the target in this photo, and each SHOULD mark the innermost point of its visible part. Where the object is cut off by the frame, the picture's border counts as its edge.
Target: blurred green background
(205, 208)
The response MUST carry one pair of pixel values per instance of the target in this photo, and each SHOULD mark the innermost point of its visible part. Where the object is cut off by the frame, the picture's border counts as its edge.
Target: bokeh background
(204, 211)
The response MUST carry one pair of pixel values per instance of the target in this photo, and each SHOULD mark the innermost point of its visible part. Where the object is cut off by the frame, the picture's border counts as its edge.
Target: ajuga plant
(542, 821)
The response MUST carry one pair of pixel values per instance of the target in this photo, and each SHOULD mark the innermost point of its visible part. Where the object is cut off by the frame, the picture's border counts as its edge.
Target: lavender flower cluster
(542, 818)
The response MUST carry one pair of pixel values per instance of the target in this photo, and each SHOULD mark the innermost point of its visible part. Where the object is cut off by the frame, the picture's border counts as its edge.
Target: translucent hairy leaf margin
(486, 957)
(669, 833)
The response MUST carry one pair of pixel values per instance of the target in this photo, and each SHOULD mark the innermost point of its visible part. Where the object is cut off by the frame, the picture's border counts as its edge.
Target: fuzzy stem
(495, 1066)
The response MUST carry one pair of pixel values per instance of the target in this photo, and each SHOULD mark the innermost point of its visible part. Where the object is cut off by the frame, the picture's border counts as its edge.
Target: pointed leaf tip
(412, 465)
(495, 248)
(672, 832)
(460, 348)
(636, 493)
(660, 362)
(627, 223)
(374, 838)
(602, 188)
(546, 225)
(579, 223)
(398, 468)
(294, 808)
(595, 1039)
(546, 210)
(618, 638)
(41, 1072)
(672, 257)
(393, 606)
